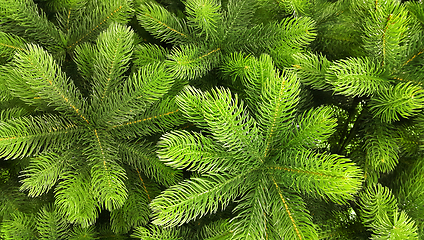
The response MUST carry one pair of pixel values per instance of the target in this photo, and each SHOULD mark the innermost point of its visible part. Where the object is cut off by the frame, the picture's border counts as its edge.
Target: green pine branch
(265, 171)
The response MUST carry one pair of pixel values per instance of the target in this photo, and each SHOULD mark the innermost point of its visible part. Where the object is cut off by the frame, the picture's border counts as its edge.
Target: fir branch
(252, 214)
(417, 10)
(208, 192)
(147, 53)
(9, 44)
(114, 50)
(322, 175)
(381, 151)
(403, 100)
(204, 15)
(384, 33)
(138, 94)
(311, 70)
(279, 99)
(142, 158)
(413, 57)
(223, 119)
(237, 18)
(407, 189)
(153, 232)
(228, 124)
(89, 23)
(28, 136)
(239, 67)
(43, 173)
(84, 58)
(195, 152)
(159, 117)
(20, 226)
(313, 128)
(50, 225)
(41, 73)
(135, 212)
(357, 77)
(380, 213)
(70, 192)
(107, 177)
(291, 220)
(220, 229)
(162, 24)
(25, 19)
(87, 233)
(192, 61)
(297, 8)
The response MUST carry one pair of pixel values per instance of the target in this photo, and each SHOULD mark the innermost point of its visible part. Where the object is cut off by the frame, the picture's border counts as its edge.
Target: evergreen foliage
(209, 119)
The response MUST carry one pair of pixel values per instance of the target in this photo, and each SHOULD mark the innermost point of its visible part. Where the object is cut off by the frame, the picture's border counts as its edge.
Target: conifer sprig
(76, 148)
(381, 214)
(250, 165)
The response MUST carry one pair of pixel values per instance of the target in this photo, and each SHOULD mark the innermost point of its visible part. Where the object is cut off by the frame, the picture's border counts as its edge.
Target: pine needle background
(208, 119)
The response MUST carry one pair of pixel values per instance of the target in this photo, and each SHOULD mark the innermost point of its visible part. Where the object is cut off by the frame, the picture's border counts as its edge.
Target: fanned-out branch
(25, 19)
(50, 225)
(43, 172)
(381, 214)
(28, 136)
(196, 197)
(328, 176)
(381, 150)
(77, 142)
(9, 44)
(204, 16)
(311, 70)
(95, 17)
(401, 101)
(291, 219)
(70, 192)
(163, 24)
(113, 53)
(41, 74)
(384, 33)
(142, 156)
(235, 147)
(357, 77)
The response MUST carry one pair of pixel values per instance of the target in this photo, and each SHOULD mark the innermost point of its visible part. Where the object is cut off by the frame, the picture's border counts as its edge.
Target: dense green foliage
(208, 119)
